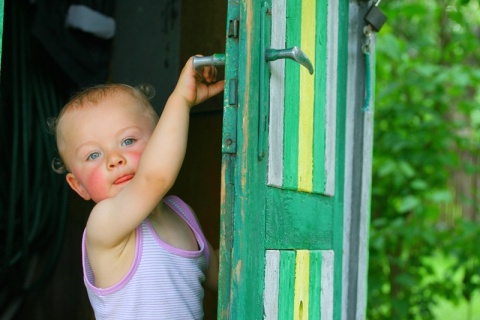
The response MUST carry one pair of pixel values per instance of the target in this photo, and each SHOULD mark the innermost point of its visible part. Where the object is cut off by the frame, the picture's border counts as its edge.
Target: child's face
(101, 145)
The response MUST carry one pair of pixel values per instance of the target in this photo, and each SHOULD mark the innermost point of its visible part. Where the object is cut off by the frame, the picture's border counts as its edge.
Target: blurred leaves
(427, 118)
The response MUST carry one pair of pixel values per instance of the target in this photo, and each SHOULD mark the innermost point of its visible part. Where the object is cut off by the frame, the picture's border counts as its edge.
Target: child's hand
(196, 87)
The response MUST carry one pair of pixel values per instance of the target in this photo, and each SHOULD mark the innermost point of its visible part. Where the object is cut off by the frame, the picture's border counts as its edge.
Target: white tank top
(164, 282)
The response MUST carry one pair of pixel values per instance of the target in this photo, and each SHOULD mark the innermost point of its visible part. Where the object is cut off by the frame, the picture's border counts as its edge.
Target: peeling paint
(223, 183)
(246, 94)
(238, 269)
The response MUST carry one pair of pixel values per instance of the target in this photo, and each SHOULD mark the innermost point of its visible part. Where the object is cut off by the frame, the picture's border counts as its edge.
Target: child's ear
(77, 186)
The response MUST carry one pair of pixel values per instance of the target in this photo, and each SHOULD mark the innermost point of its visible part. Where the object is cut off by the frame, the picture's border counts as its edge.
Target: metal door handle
(218, 59)
(295, 54)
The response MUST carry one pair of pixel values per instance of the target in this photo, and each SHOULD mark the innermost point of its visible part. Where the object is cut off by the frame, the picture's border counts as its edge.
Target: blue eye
(93, 156)
(128, 142)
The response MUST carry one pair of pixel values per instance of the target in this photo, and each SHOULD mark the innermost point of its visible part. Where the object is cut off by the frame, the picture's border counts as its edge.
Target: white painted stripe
(270, 293)
(277, 93)
(365, 194)
(326, 295)
(351, 104)
(356, 201)
(331, 105)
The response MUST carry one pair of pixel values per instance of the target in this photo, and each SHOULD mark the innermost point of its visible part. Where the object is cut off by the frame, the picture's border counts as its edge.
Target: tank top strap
(184, 210)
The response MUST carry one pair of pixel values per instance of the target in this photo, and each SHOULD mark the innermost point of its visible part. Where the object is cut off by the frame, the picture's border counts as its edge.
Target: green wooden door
(283, 161)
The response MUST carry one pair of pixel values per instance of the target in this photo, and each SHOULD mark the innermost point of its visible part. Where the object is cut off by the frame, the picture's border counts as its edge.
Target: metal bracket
(233, 29)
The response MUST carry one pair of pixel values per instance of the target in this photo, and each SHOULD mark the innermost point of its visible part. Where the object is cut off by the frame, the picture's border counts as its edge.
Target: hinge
(229, 139)
(229, 134)
(233, 29)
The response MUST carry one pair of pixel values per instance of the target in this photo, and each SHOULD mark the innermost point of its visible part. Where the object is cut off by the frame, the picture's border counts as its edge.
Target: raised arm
(170, 136)
(161, 159)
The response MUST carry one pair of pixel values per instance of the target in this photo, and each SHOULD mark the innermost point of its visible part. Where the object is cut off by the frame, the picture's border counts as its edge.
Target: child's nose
(115, 160)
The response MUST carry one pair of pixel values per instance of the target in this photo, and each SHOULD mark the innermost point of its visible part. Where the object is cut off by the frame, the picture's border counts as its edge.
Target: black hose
(33, 199)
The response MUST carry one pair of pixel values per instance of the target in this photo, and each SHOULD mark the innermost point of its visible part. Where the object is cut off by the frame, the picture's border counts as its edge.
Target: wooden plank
(306, 99)
(227, 192)
(291, 116)
(315, 284)
(364, 223)
(365, 195)
(344, 55)
(298, 220)
(277, 94)
(331, 110)
(358, 146)
(327, 293)
(302, 285)
(287, 285)
(248, 254)
(272, 278)
(319, 134)
(227, 197)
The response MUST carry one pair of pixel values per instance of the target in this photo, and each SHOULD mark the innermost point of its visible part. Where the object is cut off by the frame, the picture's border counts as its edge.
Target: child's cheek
(135, 157)
(96, 184)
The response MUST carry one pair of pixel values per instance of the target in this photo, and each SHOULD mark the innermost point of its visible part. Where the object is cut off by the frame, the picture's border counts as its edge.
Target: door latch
(218, 59)
(295, 54)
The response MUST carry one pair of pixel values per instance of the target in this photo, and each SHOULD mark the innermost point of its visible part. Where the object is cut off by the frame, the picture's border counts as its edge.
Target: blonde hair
(93, 96)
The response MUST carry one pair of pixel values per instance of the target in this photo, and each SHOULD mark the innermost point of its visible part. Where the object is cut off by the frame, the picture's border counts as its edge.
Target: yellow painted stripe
(306, 103)
(302, 276)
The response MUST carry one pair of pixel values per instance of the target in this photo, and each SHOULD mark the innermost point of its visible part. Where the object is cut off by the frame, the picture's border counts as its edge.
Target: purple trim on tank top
(172, 249)
(135, 263)
(181, 208)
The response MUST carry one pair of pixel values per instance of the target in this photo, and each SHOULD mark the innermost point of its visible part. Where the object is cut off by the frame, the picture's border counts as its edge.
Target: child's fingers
(209, 90)
(211, 74)
(216, 88)
(208, 74)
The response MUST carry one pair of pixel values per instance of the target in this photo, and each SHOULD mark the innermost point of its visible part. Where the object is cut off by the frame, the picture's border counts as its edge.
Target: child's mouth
(123, 179)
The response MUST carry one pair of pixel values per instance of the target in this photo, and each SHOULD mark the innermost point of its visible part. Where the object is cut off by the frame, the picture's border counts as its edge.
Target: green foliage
(427, 114)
